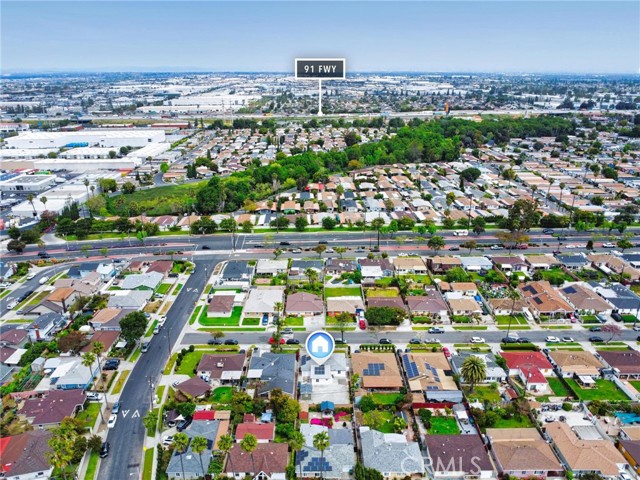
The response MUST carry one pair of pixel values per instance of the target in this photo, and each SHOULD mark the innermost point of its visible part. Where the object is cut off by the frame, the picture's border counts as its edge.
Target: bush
(567, 406)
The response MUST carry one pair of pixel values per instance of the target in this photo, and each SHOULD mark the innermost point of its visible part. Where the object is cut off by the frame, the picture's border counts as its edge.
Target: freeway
(402, 338)
(127, 437)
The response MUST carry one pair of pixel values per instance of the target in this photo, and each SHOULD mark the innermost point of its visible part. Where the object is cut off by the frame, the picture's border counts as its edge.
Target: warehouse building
(88, 138)
(28, 183)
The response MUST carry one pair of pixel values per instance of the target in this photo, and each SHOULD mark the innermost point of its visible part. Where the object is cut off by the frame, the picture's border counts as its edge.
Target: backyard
(383, 292)
(443, 426)
(221, 395)
(341, 292)
(558, 387)
(386, 398)
(482, 393)
(604, 390)
(381, 420)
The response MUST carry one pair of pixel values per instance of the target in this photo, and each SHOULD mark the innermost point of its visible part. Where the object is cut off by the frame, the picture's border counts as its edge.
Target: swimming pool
(628, 418)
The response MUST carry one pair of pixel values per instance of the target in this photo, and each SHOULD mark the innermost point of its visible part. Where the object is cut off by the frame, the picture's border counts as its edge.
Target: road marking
(136, 414)
(125, 413)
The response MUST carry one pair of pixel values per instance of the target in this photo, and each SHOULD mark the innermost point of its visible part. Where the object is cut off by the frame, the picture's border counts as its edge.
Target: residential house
(237, 271)
(298, 269)
(377, 371)
(511, 264)
(129, 299)
(441, 264)
(106, 270)
(573, 262)
(409, 266)
(585, 300)
(430, 305)
(338, 266)
(630, 449)
(142, 281)
(585, 454)
(191, 462)
(391, 454)
(505, 306)
(70, 373)
(459, 457)
(267, 462)
(25, 456)
(545, 301)
(518, 360)
(329, 380)
(335, 463)
(522, 453)
(108, 319)
(222, 368)
(464, 306)
(495, 373)
(273, 370)
(431, 374)
(542, 262)
(194, 388)
(391, 302)
(44, 327)
(468, 289)
(350, 304)
(263, 431)
(476, 264)
(263, 300)
(626, 364)
(57, 301)
(221, 305)
(50, 409)
(267, 267)
(576, 363)
(165, 222)
(609, 263)
(107, 338)
(12, 336)
(624, 301)
(161, 266)
(305, 304)
(372, 269)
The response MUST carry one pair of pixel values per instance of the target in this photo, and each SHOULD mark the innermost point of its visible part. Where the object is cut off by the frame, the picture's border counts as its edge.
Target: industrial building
(87, 138)
(28, 183)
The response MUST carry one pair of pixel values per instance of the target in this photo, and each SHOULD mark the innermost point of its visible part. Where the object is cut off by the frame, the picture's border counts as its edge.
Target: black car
(548, 231)
(524, 340)
(183, 424)
(293, 341)
(385, 341)
(44, 255)
(231, 341)
(509, 340)
(616, 316)
(339, 341)
(285, 244)
(111, 366)
(323, 242)
(595, 329)
(104, 450)
(454, 249)
(206, 247)
(258, 246)
(214, 341)
(595, 339)
(415, 341)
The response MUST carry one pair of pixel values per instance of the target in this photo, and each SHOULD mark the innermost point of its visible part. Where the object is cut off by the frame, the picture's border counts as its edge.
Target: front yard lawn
(190, 361)
(232, 321)
(517, 319)
(604, 390)
(164, 288)
(342, 292)
(250, 322)
(90, 414)
(294, 322)
(444, 426)
(221, 395)
(558, 387)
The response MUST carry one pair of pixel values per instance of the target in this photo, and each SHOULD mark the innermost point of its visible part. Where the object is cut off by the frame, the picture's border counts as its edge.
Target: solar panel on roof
(570, 290)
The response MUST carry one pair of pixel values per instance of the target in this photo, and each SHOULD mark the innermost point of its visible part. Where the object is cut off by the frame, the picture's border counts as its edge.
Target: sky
(420, 36)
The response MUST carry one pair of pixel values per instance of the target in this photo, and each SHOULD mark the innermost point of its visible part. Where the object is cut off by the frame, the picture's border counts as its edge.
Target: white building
(93, 137)
(28, 183)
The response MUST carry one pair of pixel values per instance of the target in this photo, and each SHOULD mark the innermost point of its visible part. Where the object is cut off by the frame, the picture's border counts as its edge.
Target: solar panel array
(433, 370)
(433, 387)
(317, 464)
(373, 370)
(570, 290)
(410, 366)
(301, 455)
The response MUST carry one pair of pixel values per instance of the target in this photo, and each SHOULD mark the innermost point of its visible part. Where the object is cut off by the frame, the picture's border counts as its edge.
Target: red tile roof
(520, 359)
(262, 431)
(204, 415)
(533, 375)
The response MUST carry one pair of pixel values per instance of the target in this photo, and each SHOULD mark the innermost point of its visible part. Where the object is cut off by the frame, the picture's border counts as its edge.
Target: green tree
(470, 244)
(248, 445)
(133, 326)
(225, 444)
(30, 199)
(62, 445)
(321, 442)
(385, 315)
(150, 421)
(301, 223)
(181, 443)
(296, 442)
(624, 244)
(128, 188)
(340, 251)
(343, 320)
(319, 249)
(277, 252)
(198, 446)
(17, 246)
(473, 370)
(435, 243)
(329, 223)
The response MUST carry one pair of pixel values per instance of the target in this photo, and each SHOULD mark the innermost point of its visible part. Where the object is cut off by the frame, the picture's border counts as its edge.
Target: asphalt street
(127, 437)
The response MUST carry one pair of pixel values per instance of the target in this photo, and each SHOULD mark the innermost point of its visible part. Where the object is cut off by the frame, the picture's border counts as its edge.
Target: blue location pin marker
(320, 346)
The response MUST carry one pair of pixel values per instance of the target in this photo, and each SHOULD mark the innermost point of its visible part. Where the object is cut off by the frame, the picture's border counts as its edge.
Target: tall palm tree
(93, 190)
(86, 185)
(248, 444)
(473, 370)
(199, 445)
(551, 182)
(225, 443)
(180, 443)
(88, 359)
(30, 199)
(296, 442)
(562, 185)
(321, 442)
(44, 201)
(311, 274)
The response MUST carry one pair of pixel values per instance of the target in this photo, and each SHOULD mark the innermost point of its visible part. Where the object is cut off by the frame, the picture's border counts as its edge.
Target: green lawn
(147, 470)
(232, 321)
(515, 320)
(191, 361)
(195, 314)
(558, 387)
(221, 395)
(163, 288)
(294, 322)
(160, 392)
(383, 292)
(250, 322)
(604, 390)
(151, 327)
(522, 421)
(555, 275)
(386, 398)
(89, 414)
(342, 292)
(117, 387)
(444, 426)
(477, 327)
(159, 200)
(635, 384)
(177, 289)
(136, 353)
(482, 393)
(92, 466)
(387, 426)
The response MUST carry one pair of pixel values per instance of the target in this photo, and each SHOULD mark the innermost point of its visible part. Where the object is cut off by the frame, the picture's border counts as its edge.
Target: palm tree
(93, 190)
(88, 359)
(225, 443)
(30, 199)
(44, 201)
(248, 444)
(296, 442)
(180, 443)
(321, 442)
(551, 182)
(312, 275)
(473, 370)
(86, 185)
(199, 445)
(562, 185)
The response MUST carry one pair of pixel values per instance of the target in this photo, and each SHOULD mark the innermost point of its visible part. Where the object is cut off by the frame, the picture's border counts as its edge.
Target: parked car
(415, 341)
(293, 341)
(156, 329)
(183, 424)
(44, 255)
(12, 303)
(552, 340)
(524, 340)
(231, 341)
(385, 341)
(436, 330)
(206, 247)
(595, 339)
(285, 244)
(112, 420)
(94, 397)
(522, 246)
(273, 340)
(446, 351)
(145, 347)
(477, 340)
(43, 280)
(568, 339)
(104, 450)
(31, 275)
(167, 441)
(287, 331)
(265, 319)
(214, 341)
(296, 250)
(362, 324)
(116, 407)
(608, 245)
(323, 242)
(616, 316)
(509, 340)
(548, 231)
(595, 329)
(496, 247)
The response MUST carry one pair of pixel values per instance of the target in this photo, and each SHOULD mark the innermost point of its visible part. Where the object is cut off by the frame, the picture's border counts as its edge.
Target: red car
(273, 340)
(446, 352)
(363, 325)
(522, 246)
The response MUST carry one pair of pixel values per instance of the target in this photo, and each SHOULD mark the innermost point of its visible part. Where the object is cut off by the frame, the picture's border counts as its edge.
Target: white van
(460, 233)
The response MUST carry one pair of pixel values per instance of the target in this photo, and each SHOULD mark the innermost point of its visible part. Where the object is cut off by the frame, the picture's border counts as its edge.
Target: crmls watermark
(411, 464)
